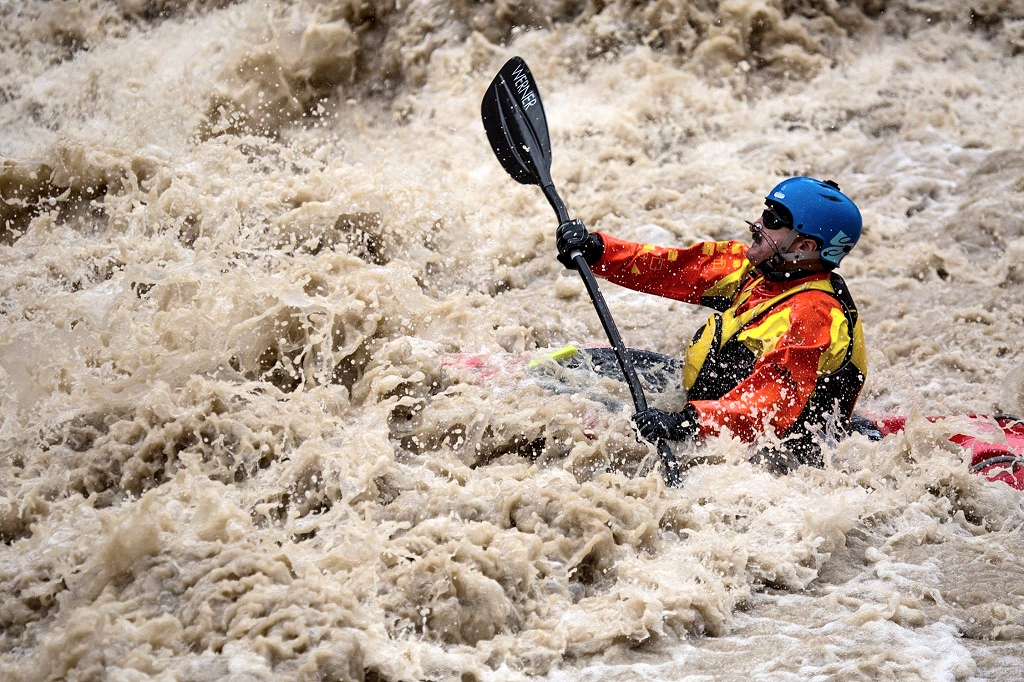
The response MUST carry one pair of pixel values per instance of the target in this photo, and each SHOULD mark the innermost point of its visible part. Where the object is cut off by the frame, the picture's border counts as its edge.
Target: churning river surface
(239, 242)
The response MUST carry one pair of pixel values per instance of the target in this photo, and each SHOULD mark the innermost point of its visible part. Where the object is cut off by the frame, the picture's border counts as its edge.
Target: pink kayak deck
(996, 461)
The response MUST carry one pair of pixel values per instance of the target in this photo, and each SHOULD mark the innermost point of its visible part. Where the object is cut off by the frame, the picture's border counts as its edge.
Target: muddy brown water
(238, 240)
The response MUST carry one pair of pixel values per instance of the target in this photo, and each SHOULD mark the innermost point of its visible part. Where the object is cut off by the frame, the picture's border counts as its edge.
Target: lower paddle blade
(517, 129)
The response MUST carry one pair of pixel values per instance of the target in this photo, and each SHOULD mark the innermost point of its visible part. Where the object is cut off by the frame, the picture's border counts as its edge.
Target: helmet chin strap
(798, 257)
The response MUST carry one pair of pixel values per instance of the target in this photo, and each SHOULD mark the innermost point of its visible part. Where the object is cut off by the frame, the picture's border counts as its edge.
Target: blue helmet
(820, 210)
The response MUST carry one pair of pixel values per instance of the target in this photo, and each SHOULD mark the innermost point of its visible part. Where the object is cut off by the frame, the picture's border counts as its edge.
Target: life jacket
(723, 353)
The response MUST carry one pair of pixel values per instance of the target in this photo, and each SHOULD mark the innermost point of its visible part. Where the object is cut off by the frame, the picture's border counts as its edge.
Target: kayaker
(784, 353)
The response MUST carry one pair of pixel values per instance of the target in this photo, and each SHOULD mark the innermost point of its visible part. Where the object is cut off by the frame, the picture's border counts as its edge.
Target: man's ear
(805, 245)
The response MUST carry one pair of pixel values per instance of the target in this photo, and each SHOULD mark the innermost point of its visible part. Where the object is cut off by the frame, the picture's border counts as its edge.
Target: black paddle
(518, 132)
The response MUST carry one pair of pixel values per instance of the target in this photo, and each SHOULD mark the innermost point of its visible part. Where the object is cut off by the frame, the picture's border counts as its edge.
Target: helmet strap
(781, 248)
(800, 257)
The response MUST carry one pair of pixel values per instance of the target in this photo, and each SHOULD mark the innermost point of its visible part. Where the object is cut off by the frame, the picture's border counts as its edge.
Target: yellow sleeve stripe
(726, 286)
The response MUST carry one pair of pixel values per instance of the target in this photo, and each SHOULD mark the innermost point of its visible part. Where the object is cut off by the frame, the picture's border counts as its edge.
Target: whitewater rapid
(239, 241)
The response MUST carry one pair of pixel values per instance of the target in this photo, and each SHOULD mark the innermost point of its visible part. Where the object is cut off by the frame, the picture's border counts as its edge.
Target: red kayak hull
(996, 461)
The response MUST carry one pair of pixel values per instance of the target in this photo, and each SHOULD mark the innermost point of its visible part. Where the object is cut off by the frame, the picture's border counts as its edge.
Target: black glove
(574, 235)
(656, 425)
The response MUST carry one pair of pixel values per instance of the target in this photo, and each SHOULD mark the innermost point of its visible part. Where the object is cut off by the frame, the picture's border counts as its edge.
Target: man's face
(766, 233)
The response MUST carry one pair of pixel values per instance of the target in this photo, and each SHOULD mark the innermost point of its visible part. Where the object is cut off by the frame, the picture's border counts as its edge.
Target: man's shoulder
(814, 306)
(813, 294)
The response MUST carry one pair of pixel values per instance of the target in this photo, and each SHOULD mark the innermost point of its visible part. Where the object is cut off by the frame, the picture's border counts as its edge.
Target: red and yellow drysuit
(782, 356)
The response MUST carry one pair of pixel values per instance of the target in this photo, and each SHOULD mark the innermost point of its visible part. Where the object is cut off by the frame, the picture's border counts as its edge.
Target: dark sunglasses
(771, 220)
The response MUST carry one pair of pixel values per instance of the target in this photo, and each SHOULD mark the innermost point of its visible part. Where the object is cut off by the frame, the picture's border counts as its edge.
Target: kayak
(997, 451)
(995, 442)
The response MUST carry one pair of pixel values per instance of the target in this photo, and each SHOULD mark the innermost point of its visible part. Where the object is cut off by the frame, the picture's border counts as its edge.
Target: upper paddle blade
(516, 127)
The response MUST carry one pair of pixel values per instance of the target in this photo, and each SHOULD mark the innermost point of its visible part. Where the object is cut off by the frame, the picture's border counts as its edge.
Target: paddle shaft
(668, 458)
(517, 130)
